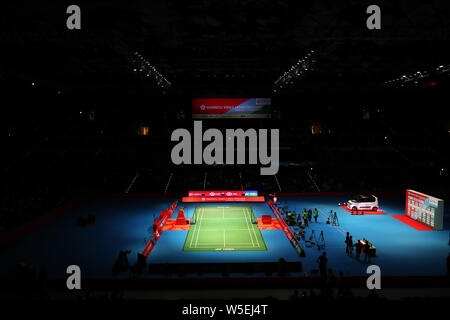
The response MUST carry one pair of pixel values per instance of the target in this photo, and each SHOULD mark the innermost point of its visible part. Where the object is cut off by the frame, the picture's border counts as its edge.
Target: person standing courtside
(350, 246)
(347, 237)
(366, 251)
(358, 247)
(322, 261)
(299, 219)
(448, 264)
(316, 214)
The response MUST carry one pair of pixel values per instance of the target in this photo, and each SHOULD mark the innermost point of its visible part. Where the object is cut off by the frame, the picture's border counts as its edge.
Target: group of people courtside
(360, 246)
(305, 218)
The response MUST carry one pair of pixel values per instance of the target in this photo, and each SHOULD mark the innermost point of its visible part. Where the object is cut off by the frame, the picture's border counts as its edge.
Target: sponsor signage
(203, 108)
(239, 193)
(223, 199)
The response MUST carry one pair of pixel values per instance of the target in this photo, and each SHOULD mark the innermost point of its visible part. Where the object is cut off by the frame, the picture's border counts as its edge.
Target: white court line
(248, 228)
(224, 243)
(195, 229)
(244, 244)
(253, 228)
(200, 219)
(230, 247)
(246, 221)
(215, 245)
(198, 232)
(221, 229)
(222, 218)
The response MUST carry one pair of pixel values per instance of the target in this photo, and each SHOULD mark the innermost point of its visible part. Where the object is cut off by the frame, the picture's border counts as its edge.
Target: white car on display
(363, 202)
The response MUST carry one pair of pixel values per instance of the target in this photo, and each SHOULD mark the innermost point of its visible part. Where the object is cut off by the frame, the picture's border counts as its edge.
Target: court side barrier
(158, 227)
(286, 229)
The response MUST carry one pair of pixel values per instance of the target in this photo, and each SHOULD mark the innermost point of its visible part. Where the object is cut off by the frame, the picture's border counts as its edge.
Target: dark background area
(73, 101)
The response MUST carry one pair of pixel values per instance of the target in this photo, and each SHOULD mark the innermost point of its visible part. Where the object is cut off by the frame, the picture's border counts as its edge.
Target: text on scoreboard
(231, 108)
(425, 209)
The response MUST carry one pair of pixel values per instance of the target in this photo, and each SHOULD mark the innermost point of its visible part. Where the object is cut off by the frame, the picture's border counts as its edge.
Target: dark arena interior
(124, 175)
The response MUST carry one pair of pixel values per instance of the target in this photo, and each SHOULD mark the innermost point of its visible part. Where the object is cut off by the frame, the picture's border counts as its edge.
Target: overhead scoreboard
(220, 108)
(425, 209)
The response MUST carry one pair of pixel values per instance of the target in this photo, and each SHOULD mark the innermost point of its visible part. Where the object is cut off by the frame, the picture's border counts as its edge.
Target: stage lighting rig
(419, 77)
(141, 65)
(296, 71)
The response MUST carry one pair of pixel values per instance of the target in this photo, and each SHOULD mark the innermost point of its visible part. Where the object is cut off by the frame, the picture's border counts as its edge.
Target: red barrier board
(159, 224)
(181, 219)
(266, 219)
(285, 228)
(223, 199)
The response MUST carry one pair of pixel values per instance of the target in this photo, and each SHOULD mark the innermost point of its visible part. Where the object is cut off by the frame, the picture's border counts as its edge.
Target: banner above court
(239, 193)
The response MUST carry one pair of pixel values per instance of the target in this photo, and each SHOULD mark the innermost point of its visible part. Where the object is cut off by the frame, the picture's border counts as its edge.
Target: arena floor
(124, 224)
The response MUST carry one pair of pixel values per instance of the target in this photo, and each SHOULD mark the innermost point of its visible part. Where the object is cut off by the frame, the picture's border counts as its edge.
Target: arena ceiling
(220, 46)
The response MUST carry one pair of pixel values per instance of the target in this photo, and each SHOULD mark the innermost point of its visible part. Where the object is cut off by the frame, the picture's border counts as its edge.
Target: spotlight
(143, 65)
(295, 71)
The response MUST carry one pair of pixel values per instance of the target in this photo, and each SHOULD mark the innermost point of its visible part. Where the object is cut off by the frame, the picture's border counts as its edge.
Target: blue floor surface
(401, 250)
(123, 223)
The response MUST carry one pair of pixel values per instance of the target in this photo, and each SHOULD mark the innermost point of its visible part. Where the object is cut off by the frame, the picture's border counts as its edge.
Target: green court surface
(224, 229)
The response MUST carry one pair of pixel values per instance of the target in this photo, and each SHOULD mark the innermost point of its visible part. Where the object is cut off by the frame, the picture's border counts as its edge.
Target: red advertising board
(231, 108)
(223, 199)
(285, 228)
(159, 225)
(239, 193)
